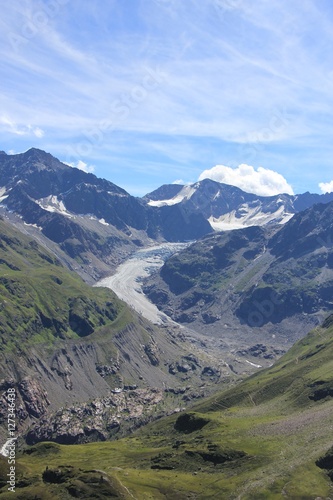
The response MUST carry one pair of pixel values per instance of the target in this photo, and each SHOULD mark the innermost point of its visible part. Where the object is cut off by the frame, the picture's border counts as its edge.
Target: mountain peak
(38, 159)
(37, 153)
(37, 150)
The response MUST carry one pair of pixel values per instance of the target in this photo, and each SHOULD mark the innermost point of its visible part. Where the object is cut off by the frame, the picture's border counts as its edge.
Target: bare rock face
(261, 351)
(31, 400)
(151, 350)
(63, 368)
(184, 365)
(34, 397)
(106, 370)
(98, 420)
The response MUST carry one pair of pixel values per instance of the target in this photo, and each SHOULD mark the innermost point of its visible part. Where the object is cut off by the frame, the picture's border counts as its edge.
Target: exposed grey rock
(106, 370)
(34, 397)
(98, 420)
(151, 350)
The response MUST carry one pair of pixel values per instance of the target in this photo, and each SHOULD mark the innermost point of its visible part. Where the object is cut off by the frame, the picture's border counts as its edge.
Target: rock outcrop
(98, 420)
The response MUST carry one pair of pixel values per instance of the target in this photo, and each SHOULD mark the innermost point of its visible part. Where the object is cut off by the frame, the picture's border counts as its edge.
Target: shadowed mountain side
(254, 281)
(93, 221)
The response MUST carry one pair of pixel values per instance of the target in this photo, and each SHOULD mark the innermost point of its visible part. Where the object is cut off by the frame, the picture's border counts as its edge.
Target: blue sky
(148, 92)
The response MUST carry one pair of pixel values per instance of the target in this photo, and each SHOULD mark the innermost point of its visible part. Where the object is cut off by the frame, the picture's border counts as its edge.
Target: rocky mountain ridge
(91, 221)
(227, 207)
(92, 225)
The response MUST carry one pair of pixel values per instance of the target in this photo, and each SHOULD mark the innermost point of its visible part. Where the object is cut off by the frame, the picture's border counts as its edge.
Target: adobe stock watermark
(39, 20)
(120, 109)
(11, 443)
(326, 244)
(280, 119)
(263, 310)
(225, 5)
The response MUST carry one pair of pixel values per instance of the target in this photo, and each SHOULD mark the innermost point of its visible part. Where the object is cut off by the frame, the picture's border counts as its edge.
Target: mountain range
(256, 275)
(85, 218)
(93, 225)
(228, 207)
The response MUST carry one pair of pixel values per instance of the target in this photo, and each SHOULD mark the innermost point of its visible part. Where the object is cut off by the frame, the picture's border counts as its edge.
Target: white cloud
(263, 182)
(38, 132)
(326, 187)
(179, 181)
(270, 102)
(11, 126)
(81, 165)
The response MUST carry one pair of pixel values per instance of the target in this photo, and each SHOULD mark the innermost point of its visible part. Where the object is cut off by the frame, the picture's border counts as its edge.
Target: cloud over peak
(263, 182)
(81, 165)
(326, 187)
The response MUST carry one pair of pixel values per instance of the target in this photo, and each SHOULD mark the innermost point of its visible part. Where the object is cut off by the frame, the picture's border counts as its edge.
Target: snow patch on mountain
(184, 194)
(3, 194)
(53, 204)
(247, 216)
(103, 221)
(31, 225)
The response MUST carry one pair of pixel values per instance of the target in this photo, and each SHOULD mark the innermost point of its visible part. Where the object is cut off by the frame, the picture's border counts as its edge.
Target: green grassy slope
(258, 440)
(40, 300)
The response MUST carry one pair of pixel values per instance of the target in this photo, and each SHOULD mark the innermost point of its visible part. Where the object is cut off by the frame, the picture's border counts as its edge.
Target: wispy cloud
(197, 83)
(10, 126)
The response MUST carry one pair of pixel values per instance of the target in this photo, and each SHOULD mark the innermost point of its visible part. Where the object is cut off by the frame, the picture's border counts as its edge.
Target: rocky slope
(268, 437)
(253, 283)
(64, 343)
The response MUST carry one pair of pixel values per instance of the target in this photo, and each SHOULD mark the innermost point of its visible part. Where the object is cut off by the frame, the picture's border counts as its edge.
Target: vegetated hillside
(77, 356)
(254, 282)
(40, 300)
(228, 207)
(268, 437)
(93, 222)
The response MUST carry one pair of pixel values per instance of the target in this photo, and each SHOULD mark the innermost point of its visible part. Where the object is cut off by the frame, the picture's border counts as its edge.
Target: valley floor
(226, 343)
(126, 282)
